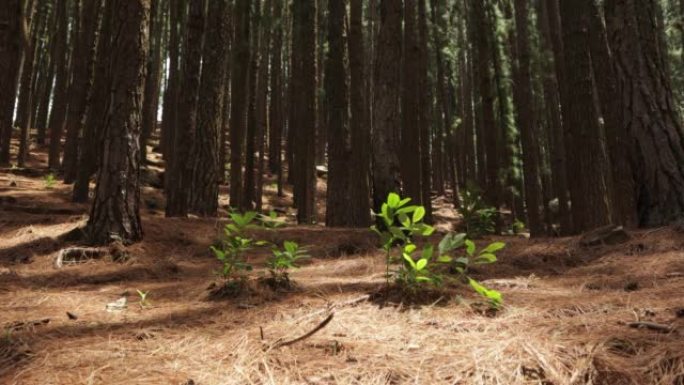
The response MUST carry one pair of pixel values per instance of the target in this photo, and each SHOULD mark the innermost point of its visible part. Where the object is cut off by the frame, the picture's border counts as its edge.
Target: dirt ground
(566, 318)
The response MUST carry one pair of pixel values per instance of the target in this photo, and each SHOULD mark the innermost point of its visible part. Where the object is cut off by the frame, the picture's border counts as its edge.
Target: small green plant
(402, 222)
(478, 218)
(232, 248)
(271, 221)
(49, 180)
(143, 298)
(283, 260)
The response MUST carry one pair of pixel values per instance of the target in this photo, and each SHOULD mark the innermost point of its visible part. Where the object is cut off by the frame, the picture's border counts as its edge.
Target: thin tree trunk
(153, 79)
(59, 102)
(239, 96)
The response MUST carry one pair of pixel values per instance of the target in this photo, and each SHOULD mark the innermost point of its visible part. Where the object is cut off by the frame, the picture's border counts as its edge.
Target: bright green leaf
(493, 247)
(470, 247)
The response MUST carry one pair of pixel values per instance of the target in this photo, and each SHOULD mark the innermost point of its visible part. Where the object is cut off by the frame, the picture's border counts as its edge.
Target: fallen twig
(651, 326)
(334, 306)
(14, 326)
(305, 336)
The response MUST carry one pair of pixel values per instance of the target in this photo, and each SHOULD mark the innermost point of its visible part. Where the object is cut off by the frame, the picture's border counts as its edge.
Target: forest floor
(565, 319)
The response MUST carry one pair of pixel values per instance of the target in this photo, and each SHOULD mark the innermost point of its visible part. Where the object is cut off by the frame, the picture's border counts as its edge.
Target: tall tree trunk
(115, 213)
(358, 123)
(386, 102)
(649, 112)
(261, 103)
(443, 126)
(90, 158)
(10, 64)
(28, 74)
(153, 79)
(410, 156)
(424, 111)
(46, 77)
(304, 89)
(276, 116)
(239, 95)
(491, 136)
(623, 205)
(172, 93)
(526, 123)
(82, 59)
(255, 64)
(179, 174)
(59, 99)
(588, 190)
(203, 194)
(339, 170)
(552, 98)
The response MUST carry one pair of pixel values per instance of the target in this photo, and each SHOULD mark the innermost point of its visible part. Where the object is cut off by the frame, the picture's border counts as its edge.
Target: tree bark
(410, 156)
(386, 103)
(239, 96)
(338, 202)
(179, 174)
(588, 190)
(358, 123)
(203, 194)
(59, 99)
(153, 78)
(10, 64)
(526, 121)
(649, 112)
(115, 213)
(82, 62)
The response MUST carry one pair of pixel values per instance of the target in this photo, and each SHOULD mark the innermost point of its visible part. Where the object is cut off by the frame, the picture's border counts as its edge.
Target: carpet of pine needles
(565, 319)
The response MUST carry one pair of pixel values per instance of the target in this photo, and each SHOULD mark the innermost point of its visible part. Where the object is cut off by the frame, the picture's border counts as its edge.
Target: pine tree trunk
(386, 102)
(45, 79)
(583, 135)
(90, 158)
(255, 65)
(552, 98)
(623, 205)
(172, 92)
(649, 112)
(10, 64)
(239, 96)
(59, 102)
(304, 89)
(360, 132)
(525, 120)
(203, 194)
(339, 171)
(275, 134)
(83, 59)
(443, 126)
(28, 74)
(490, 136)
(115, 213)
(153, 78)
(179, 175)
(424, 111)
(261, 104)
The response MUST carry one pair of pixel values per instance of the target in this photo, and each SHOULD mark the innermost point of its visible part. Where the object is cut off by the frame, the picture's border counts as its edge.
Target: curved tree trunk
(59, 99)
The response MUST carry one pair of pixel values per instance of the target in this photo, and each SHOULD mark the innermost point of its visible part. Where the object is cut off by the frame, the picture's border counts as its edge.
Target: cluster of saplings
(414, 269)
